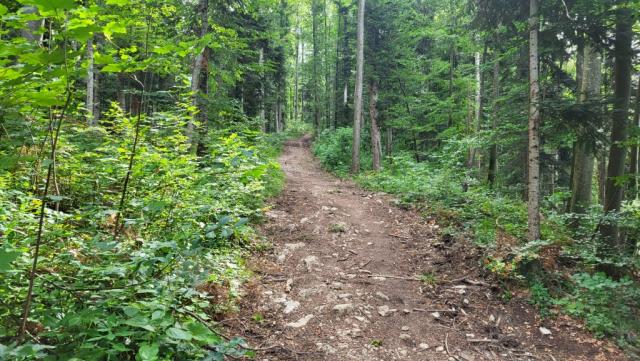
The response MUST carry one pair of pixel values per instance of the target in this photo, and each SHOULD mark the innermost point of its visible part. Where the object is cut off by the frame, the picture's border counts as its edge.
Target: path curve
(340, 284)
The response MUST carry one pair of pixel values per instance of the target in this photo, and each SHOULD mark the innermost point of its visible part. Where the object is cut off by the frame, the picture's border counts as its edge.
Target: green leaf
(118, 2)
(148, 352)
(6, 257)
(140, 322)
(3, 9)
(179, 334)
(51, 5)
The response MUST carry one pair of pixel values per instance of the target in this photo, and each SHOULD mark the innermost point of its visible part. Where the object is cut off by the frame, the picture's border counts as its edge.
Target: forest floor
(351, 276)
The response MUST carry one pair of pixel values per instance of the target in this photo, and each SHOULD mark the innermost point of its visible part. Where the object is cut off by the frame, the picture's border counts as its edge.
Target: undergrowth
(153, 292)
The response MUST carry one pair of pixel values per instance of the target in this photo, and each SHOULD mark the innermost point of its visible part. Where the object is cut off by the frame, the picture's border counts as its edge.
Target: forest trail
(342, 283)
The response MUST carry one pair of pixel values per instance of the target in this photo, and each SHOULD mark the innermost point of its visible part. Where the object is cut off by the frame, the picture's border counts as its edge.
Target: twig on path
(342, 259)
(446, 344)
(353, 252)
(482, 340)
(406, 278)
(365, 264)
(435, 310)
(467, 280)
(399, 236)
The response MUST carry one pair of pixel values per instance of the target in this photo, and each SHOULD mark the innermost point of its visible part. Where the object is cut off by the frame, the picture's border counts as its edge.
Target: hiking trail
(351, 276)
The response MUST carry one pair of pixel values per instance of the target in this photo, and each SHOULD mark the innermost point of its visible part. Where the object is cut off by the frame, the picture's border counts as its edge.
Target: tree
(376, 147)
(533, 162)
(619, 130)
(199, 75)
(584, 147)
(357, 98)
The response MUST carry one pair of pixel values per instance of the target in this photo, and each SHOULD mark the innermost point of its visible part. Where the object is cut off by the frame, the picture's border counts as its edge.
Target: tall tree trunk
(493, 151)
(91, 116)
(375, 132)
(263, 119)
(584, 147)
(357, 95)
(346, 66)
(617, 153)
(316, 59)
(479, 105)
(336, 85)
(327, 68)
(633, 169)
(199, 77)
(533, 169)
(296, 98)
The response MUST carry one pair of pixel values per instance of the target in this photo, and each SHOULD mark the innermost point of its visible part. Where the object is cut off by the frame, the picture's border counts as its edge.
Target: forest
(153, 152)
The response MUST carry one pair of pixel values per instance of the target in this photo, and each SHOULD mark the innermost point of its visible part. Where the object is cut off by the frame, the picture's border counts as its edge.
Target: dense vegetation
(445, 88)
(138, 138)
(126, 187)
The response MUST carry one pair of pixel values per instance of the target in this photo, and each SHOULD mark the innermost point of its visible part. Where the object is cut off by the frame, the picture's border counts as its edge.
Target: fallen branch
(406, 278)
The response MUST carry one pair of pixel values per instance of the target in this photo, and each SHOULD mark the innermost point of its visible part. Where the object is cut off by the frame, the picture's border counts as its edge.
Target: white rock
(436, 314)
(336, 285)
(342, 309)
(289, 285)
(301, 322)
(424, 346)
(404, 336)
(290, 306)
(385, 310)
(310, 262)
(405, 328)
(382, 296)
(440, 349)
(545, 331)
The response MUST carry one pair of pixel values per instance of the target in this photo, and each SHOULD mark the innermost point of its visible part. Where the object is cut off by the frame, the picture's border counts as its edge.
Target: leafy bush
(609, 307)
(151, 293)
(333, 149)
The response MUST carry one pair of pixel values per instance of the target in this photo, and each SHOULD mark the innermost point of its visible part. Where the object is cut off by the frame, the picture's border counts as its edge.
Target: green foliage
(333, 148)
(609, 307)
(147, 292)
(541, 298)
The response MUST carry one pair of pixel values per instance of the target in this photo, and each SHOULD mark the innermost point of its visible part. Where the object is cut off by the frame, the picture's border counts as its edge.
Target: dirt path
(341, 284)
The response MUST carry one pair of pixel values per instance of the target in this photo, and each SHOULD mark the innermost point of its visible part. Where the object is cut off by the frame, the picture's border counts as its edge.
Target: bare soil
(353, 277)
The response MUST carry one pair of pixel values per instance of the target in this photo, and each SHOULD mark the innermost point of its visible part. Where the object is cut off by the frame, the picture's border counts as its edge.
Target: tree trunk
(617, 153)
(375, 132)
(633, 169)
(199, 77)
(357, 95)
(478, 106)
(346, 66)
(584, 147)
(91, 116)
(316, 56)
(263, 119)
(493, 152)
(533, 161)
(327, 72)
(296, 103)
(336, 85)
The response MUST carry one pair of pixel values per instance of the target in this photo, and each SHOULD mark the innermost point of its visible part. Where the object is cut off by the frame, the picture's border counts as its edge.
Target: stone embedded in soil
(310, 262)
(405, 328)
(545, 331)
(423, 346)
(343, 309)
(290, 306)
(404, 336)
(440, 349)
(382, 296)
(301, 322)
(385, 310)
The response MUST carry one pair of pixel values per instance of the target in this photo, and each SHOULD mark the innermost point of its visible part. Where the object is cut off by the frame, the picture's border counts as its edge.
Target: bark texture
(357, 97)
(533, 161)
